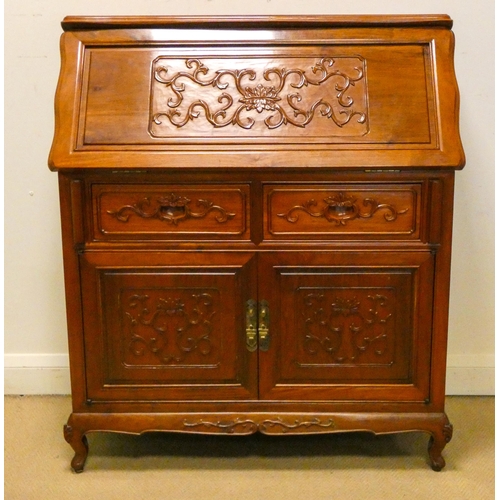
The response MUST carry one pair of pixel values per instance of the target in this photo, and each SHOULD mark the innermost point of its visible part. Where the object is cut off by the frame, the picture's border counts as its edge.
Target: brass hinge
(382, 170)
(129, 171)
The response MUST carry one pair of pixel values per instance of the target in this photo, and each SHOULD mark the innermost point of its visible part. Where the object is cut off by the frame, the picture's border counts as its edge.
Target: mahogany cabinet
(256, 220)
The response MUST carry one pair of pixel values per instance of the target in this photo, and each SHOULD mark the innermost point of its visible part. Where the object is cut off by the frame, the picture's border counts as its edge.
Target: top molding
(79, 23)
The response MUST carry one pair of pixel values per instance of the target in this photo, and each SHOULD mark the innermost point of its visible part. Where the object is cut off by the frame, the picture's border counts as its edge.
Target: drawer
(342, 211)
(168, 211)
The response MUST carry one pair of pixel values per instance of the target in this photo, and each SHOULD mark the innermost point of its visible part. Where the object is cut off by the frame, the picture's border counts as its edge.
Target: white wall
(35, 329)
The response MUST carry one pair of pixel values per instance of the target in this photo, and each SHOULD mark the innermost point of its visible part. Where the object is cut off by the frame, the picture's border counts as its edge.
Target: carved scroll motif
(347, 327)
(168, 328)
(297, 424)
(171, 209)
(269, 426)
(236, 426)
(341, 208)
(237, 106)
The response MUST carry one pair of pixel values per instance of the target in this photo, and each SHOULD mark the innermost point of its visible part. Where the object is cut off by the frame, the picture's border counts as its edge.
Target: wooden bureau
(256, 220)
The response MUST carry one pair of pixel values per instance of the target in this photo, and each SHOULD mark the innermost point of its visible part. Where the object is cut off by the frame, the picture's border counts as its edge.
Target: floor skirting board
(49, 374)
(36, 374)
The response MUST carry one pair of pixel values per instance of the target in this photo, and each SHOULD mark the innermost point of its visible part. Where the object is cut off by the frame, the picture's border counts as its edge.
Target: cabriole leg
(437, 442)
(76, 438)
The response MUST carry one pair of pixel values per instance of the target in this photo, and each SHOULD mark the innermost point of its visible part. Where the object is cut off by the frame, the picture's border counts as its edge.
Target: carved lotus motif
(345, 307)
(260, 98)
(170, 306)
(340, 200)
(173, 201)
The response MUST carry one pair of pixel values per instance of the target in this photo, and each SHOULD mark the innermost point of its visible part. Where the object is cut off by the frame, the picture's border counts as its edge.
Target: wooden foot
(79, 443)
(437, 442)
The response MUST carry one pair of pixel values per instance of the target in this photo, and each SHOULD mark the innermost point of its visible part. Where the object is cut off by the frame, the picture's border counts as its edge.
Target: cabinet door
(347, 325)
(167, 326)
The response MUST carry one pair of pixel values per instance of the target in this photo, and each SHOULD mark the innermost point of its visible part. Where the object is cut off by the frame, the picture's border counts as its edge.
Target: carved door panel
(347, 326)
(168, 326)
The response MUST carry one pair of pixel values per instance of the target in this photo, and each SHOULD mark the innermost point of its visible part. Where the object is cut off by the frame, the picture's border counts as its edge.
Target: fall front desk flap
(283, 92)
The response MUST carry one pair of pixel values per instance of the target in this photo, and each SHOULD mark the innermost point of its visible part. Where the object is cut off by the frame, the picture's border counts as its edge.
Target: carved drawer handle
(171, 209)
(340, 208)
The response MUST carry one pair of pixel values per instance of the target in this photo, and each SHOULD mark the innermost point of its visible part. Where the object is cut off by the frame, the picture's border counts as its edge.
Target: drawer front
(343, 211)
(194, 212)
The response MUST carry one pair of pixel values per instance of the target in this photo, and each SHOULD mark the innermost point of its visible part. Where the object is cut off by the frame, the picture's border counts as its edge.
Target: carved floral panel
(170, 327)
(327, 95)
(346, 326)
(170, 209)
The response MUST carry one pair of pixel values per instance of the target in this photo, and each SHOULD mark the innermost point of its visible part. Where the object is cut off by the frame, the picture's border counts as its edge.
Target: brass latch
(257, 325)
(251, 325)
(264, 336)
